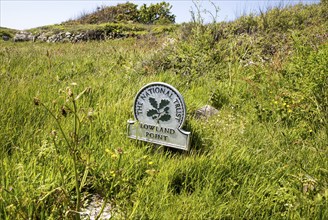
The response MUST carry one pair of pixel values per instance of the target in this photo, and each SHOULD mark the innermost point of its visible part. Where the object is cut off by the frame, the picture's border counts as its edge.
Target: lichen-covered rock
(42, 37)
(206, 111)
(24, 36)
(64, 37)
(68, 34)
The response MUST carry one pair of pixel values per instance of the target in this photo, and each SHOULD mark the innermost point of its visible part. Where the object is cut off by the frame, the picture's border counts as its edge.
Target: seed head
(36, 101)
(53, 133)
(63, 111)
(54, 102)
(88, 90)
(90, 114)
(69, 92)
(119, 151)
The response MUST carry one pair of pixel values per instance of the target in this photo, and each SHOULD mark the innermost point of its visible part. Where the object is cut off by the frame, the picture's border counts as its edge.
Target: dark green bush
(159, 13)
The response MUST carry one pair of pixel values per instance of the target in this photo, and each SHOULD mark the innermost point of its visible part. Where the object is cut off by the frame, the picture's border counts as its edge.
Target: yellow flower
(151, 172)
(150, 162)
(114, 156)
(112, 173)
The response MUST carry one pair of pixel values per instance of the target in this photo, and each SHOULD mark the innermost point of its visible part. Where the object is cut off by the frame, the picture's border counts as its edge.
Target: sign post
(159, 112)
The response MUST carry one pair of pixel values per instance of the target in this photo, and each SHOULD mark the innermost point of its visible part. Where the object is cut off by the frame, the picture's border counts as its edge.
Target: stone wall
(89, 35)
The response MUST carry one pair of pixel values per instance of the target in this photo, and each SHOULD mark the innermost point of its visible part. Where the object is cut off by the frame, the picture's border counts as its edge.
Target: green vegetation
(159, 13)
(7, 32)
(106, 29)
(64, 111)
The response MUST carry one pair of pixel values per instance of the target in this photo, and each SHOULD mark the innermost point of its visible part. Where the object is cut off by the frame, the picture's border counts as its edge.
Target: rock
(168, 42)
(43, 37)
(23, 36)
(53, 39)
(94, 35)
(64, 37)
(206, 111)
(5, 37)
(79, 37)
(93, 208)
(68, 34)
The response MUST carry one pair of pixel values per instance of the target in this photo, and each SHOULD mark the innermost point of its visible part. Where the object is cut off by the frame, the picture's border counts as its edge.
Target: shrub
(159, 13)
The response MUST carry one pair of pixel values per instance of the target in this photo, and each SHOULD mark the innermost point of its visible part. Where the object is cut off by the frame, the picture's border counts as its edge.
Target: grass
(7, 32)
(263, 156)
(123, 28)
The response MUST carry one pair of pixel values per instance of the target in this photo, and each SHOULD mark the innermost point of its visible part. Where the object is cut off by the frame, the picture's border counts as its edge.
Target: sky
(25, 14)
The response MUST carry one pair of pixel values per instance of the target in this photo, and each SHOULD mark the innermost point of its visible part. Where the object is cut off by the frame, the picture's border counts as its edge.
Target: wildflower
(114, 156)
(119, 151)
(112, 173)
(150, 162)
(151, 172)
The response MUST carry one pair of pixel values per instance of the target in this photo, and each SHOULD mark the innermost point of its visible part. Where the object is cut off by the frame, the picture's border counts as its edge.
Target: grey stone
(94, 207)
(206, 112)
(68, 34)
(5, 38)
(23, 36)
(43, 37)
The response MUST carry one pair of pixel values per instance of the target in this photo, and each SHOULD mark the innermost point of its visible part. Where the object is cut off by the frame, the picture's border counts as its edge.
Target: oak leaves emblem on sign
(160, 112)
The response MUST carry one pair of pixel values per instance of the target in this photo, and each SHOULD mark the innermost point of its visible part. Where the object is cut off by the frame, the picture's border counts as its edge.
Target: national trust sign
(159, 112)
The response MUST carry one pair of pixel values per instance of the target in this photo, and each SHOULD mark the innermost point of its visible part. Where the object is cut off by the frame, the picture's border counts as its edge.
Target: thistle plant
(71, 140)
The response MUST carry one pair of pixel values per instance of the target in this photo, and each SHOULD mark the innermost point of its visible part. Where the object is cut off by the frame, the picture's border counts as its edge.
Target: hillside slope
(64, 111)
(112, 22)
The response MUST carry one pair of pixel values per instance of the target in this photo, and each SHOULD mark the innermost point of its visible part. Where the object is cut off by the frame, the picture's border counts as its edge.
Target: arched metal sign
(159, 112)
